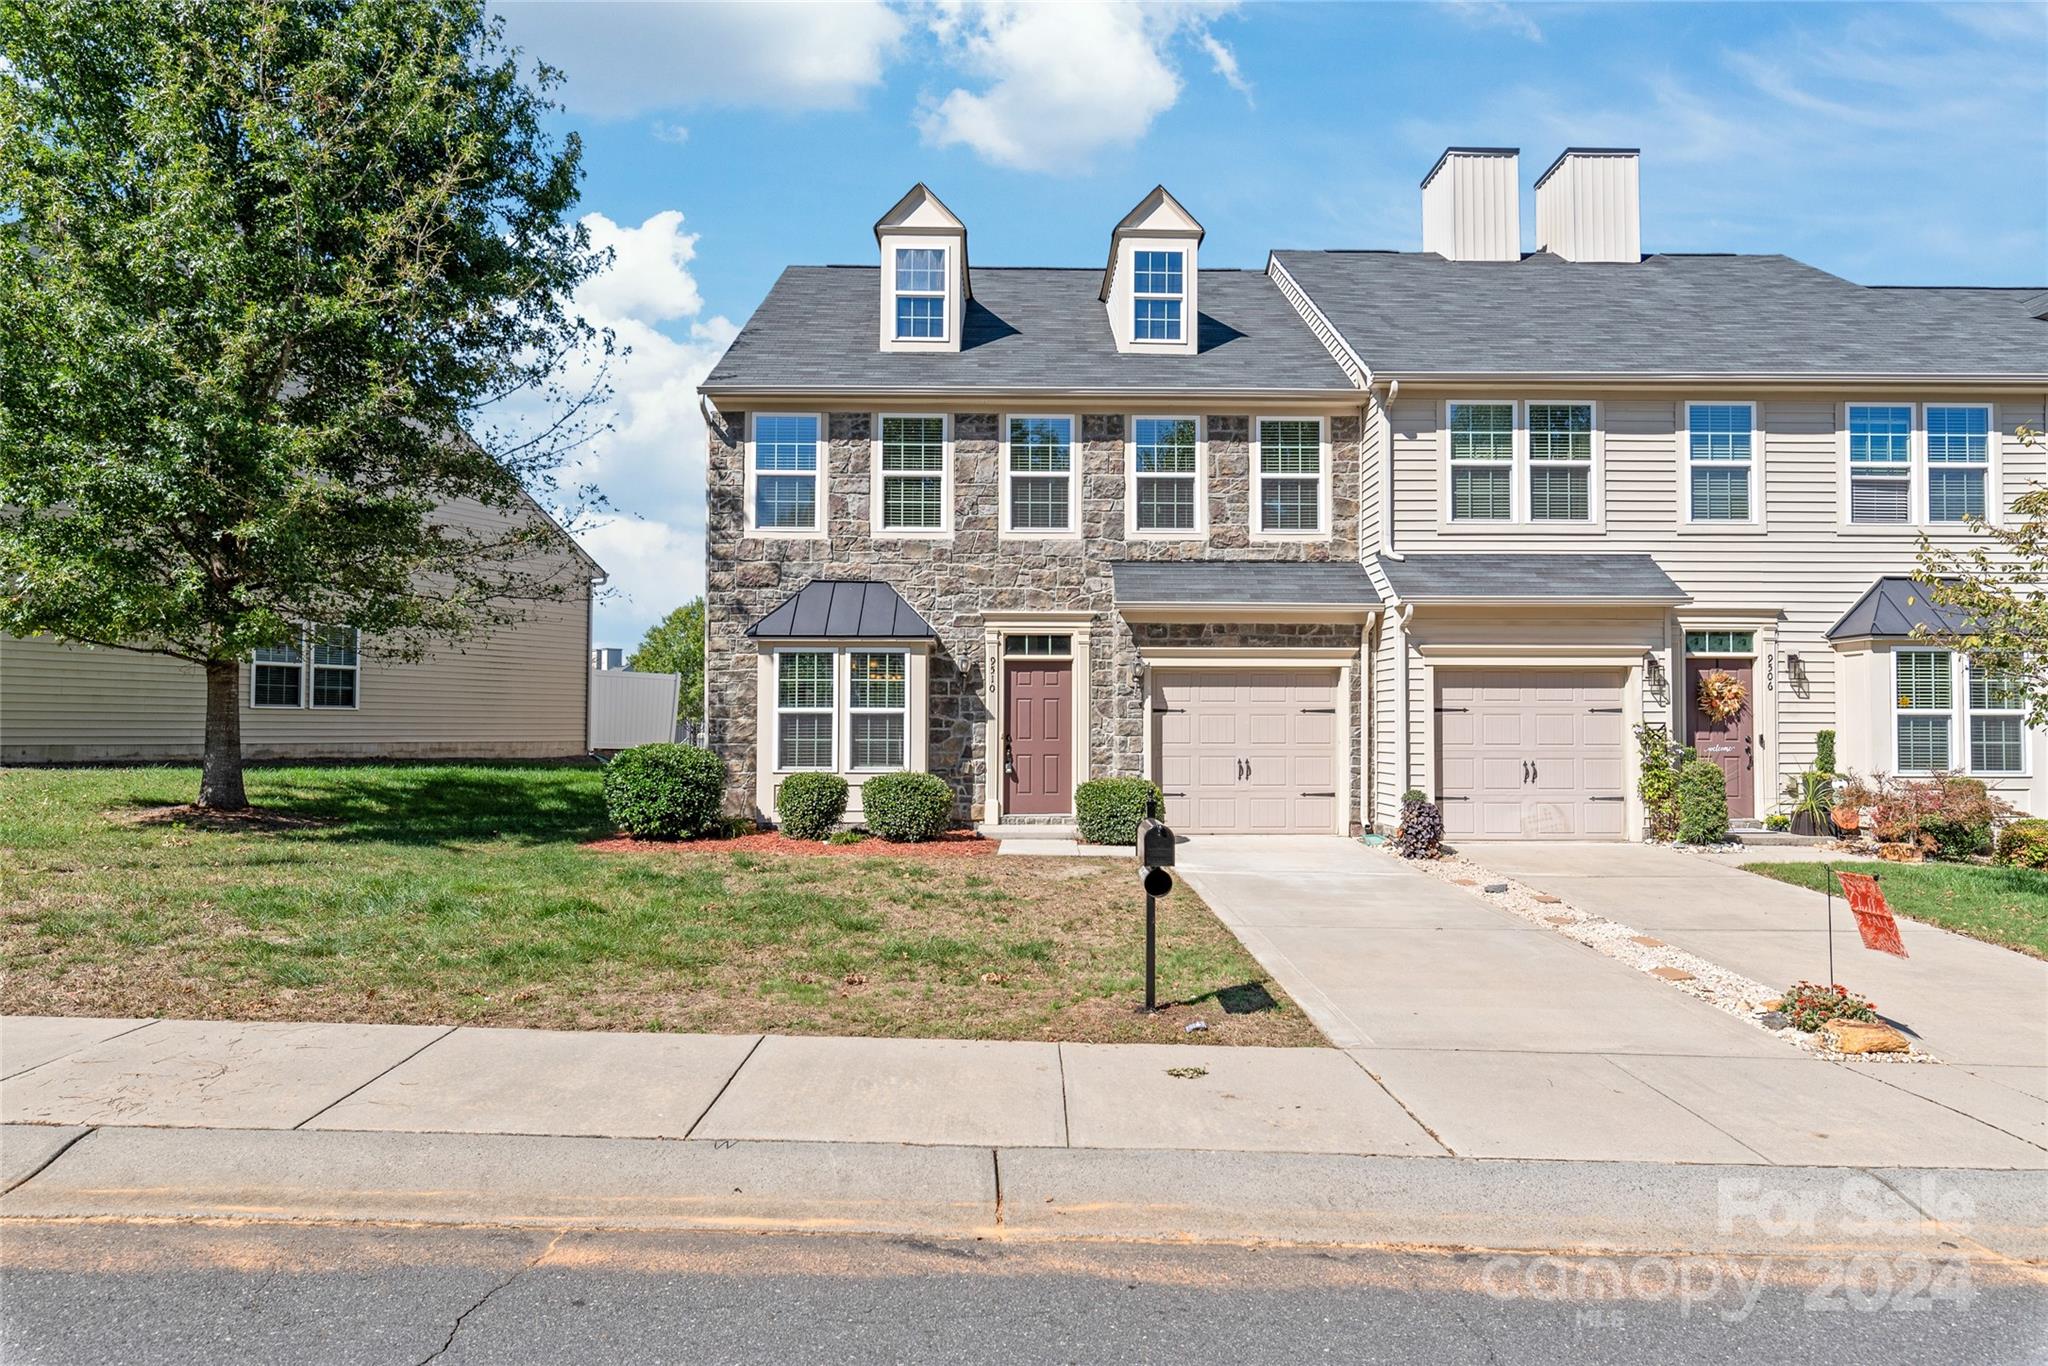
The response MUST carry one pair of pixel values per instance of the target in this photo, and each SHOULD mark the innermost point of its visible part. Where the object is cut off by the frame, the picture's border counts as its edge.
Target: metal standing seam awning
(843, 609)
(1892, 609)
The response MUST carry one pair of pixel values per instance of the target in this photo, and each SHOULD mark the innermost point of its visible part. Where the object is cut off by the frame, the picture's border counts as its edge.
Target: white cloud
(1225, 63)
(669, 132)
(625, 59)
(1495, 14)
(650, 279)
(1064, 81)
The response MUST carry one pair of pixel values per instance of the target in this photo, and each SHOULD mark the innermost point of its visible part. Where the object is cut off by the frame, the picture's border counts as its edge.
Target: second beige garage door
(1531, 753)
(1247, 751)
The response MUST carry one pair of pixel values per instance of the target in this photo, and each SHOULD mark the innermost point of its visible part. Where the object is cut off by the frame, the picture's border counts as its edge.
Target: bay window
(842, 709)
(878, 708)
(804, 709)
(1998, 723)
(1923, 709)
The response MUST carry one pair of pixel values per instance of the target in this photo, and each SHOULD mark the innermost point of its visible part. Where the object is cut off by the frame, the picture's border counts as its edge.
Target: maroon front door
(1730, 743)
(1038, 744)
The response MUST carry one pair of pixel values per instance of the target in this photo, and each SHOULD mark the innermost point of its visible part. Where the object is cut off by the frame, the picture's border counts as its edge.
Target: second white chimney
(1471, 206)
(1589, 205)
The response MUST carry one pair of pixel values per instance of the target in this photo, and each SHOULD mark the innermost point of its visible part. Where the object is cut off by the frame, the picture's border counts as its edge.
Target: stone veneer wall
(953, 583)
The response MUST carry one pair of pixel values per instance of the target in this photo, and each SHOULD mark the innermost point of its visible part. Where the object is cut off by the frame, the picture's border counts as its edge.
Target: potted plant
(1811, 796)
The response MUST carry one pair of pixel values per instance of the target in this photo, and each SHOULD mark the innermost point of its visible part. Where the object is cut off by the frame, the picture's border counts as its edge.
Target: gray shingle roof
(1271, 583)
(843, 609)
(1026, 329)
(1481, 576)
(1415, 313)
(1891, 608)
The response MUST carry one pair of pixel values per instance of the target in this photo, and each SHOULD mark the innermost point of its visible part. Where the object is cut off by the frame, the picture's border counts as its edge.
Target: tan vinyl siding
(1800, 568)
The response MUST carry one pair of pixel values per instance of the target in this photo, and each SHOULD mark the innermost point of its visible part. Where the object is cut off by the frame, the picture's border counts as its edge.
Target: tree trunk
(220, 774)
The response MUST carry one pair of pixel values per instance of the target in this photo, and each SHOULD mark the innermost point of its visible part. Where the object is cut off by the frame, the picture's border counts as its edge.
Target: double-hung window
(877, 708)
(1292, 476)
(1880, 462)
(1998, 723)
(1040, 481)
(277, 676)
(1158, 296)
(1958, 461)
(921, 293)
(1924, 709)
(785, 473)
(336, 662)
(1560, 462)
(1482, 462)
(1721, 461)
(1165, 492)
(804, 709)
(913, 495)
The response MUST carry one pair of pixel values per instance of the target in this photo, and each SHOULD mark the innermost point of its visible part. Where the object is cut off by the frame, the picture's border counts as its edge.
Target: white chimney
(1589, 205)
(1470, 205)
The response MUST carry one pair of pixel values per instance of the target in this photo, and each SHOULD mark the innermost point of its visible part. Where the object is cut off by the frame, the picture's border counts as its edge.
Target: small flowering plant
(1810, 1005)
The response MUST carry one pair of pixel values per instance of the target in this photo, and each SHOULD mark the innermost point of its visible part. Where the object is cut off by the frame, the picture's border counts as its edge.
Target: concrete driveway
(1506, 1039)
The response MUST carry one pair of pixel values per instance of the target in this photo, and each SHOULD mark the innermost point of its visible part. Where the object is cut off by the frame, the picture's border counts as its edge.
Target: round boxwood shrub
(906, 807)
(1702, 802)
(809, 805)
(1107, 810)
(665, 792)
(2024, 844)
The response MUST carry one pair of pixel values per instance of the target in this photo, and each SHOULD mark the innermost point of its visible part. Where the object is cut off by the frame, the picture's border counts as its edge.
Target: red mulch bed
(952, 844)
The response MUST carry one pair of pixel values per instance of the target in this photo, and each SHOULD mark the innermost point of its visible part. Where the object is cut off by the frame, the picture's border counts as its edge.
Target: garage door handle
(1454, 709)
(1608, 799)
(1605, 711)
(1454, 799)
(1318, 794)
(1318, 711)
(1173, 794)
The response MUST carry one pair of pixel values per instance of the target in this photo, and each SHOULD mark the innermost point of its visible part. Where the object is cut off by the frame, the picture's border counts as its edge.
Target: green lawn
(2006, 906)
(462, 894)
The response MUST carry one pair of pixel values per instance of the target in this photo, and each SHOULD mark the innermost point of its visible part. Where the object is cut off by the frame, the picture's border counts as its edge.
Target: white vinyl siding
(1482, 477)
(783, 468)
(914, 490)
(1721, 462)
(1958, 461)
(1880, 462)
(1923, 710)
(1164, 488)
(1293, 477)
(1038, 479)
(804, 710)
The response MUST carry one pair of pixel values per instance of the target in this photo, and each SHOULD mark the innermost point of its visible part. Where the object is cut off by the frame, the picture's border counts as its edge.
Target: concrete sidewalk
(1508, 1040)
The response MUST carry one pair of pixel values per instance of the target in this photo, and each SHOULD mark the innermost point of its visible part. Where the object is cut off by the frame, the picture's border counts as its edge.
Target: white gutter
(1387, 492)
(1406, 612)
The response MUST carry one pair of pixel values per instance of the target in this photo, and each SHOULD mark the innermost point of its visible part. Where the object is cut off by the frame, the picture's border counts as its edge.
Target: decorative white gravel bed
(1731, 992)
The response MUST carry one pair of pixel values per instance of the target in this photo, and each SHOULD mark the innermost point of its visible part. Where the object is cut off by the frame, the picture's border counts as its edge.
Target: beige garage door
(1247, 751)
(1531, 753)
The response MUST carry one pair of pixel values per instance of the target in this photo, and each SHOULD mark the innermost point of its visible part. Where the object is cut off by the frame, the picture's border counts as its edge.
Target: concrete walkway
(1508, 1040)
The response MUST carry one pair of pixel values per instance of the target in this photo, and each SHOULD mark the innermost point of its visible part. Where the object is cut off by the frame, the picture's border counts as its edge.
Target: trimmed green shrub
(1824, 752)
(1413, 795)
(906, 807)
(665, 792)
(2024, 844)
(1108, 810)
(810, 804)
(1702, 802)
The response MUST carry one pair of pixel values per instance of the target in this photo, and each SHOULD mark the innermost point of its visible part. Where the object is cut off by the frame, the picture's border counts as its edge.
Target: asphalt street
(282, 1294)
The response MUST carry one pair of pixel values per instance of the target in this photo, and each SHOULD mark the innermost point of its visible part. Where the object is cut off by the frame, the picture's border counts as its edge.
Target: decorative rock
(1465, 882)
(1546, 899)
(1775, 1019)
(1646, 941)
(1671, 974)
(1558, 919)
(1774, 1003)
(1857, 1036)
(1496, 886)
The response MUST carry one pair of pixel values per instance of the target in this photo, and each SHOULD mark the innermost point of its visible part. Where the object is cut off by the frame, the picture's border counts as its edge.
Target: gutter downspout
(1403, 742)
(1387, 488)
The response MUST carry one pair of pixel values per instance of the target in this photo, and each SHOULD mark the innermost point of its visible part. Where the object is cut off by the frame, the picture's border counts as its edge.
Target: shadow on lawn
(1246, 998)
(427, 804)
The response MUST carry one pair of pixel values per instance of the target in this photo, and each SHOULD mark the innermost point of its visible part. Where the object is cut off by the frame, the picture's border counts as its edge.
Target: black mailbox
(1155, 844)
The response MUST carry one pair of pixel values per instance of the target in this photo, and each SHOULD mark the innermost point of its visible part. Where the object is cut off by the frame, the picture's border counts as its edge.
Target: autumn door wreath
(1722, 696)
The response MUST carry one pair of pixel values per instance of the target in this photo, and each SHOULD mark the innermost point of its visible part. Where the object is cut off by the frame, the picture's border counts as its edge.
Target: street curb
(1044, 1194)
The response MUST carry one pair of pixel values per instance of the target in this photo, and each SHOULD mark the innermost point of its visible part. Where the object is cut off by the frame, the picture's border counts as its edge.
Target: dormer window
(920, 293)
(1157, 295)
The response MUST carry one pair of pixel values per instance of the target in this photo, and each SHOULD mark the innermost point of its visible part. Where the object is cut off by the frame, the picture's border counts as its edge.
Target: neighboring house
(1294, 541)
(517, 692)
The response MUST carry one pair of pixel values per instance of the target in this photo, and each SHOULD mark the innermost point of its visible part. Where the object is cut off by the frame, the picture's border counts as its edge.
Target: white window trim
(944, 530)
(1526, 463)
(1180, 337)
(1256, 512)
(1517, 446)
(2026, 768)
(1954, 706)
(1756, 466)
(833, 712)
(849, 711)
(304, 666)
(1916, 453)
(1200, 530)
(1076, 458)
(941, 294)
(313, 667)
(1994, 501)
(821, 474)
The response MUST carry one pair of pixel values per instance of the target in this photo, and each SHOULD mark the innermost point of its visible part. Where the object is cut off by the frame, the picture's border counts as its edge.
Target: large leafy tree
(675, 645)
(265, 267)
(1998, 589)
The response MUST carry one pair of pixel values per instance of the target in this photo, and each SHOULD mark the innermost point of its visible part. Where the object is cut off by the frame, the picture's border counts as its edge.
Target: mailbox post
(1155, 855)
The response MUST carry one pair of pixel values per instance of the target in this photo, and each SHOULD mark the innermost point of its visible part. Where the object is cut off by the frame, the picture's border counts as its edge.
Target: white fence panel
(628, 709)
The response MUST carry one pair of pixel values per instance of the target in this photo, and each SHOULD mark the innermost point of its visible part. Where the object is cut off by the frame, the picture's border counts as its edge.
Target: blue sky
(1891, 144)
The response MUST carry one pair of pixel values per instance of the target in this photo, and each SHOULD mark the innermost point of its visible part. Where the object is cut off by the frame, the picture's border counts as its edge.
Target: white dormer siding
(1151, 287)
(1589, 205)
(925, 282)
(1471, 206)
